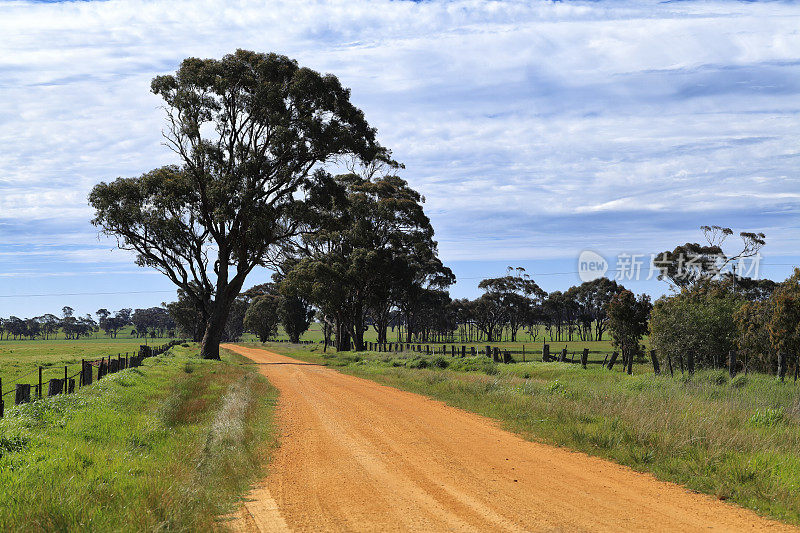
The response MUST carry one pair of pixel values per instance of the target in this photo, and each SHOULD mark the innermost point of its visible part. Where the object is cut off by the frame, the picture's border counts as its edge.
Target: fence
(504, 355)
(497, 354)
(85, 376)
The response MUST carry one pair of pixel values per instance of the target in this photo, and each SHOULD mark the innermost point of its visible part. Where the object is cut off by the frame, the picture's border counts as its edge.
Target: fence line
(504, 355)
(84, 376)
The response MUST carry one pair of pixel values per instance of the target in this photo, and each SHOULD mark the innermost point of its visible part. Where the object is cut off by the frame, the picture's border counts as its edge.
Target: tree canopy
(254, 135)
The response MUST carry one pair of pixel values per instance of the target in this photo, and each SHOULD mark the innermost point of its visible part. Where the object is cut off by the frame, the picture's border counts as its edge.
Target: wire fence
(88, 371)
(682, 363)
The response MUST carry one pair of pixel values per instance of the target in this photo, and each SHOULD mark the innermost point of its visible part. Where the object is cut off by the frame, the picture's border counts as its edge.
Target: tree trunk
(215, 329)
(209, 348)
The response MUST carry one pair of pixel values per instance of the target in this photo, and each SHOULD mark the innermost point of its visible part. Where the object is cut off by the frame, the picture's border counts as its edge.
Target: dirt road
(358, 456)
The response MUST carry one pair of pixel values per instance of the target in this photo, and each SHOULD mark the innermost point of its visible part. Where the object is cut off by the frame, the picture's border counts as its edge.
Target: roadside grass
(169, 446)
(738, 440)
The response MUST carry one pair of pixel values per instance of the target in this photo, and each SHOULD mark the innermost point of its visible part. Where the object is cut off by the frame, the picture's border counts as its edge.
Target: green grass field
(734, 439)
(23, 357)
(171, 445)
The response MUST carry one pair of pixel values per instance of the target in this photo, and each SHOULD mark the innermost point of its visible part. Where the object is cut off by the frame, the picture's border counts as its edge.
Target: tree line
(154, 322)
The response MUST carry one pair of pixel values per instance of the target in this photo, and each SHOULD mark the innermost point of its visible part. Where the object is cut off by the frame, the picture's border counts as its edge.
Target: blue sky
(535, 130)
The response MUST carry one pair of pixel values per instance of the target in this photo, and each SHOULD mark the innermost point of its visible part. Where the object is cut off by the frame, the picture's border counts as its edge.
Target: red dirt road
(358, 456)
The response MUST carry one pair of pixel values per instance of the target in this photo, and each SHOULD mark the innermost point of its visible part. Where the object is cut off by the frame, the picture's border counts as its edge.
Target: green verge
(172, 445)
(737, 439)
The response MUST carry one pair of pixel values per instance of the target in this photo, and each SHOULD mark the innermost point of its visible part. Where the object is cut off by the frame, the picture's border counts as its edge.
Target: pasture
(18, 358)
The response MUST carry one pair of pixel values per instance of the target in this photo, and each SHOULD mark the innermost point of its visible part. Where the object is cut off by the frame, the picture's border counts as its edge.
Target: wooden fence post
(1, 398)
(605, 360)
(585, 357)
(70, 385)
(782, 365)
(732, 363)
(65, 381)
(680, 360)
(563, 357)
(656, 367)
(54, 387)
(40, 383)
(613, 360)
(22, 393)
(523, 353)
(545, 353)
(497, 354)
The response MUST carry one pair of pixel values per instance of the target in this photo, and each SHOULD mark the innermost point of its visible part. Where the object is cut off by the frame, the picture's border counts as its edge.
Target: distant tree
(784, 317)
(376, 251)
(700, 319)
(592, 298)
(48, 324)
(234, 326)
(121, 319)
(489, 315)
(751, 289)
(111, 324)
(32, 328)
(515, 294)
(16, 327)
(187, 316)
(155, 321)
(627, 321)
(254, 133)
(295, 315)
(691, 263)
(753, 341)
(261, 317)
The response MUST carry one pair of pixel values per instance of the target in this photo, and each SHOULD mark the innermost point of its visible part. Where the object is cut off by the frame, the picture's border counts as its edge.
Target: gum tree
(254, 135)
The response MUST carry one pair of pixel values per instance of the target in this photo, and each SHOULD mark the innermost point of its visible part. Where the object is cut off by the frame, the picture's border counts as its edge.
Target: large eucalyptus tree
(255, 135)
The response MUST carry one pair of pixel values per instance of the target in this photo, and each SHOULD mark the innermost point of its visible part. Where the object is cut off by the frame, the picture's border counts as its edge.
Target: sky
(535, 130)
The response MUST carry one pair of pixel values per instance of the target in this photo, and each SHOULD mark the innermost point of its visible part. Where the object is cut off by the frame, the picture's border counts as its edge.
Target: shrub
(417, 363)
(440, 362)
(700, 320)
(739, 381)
